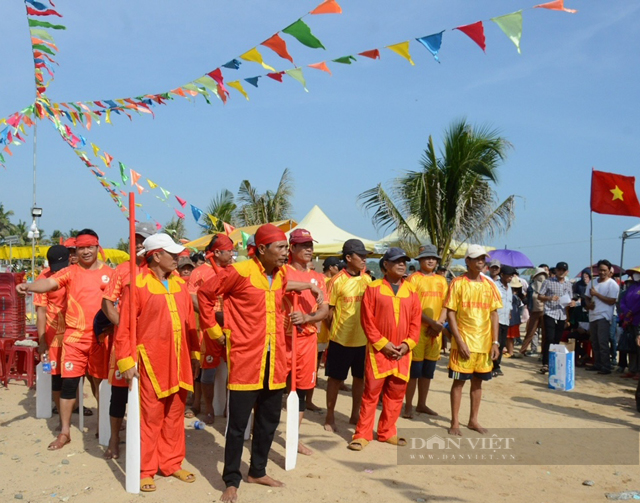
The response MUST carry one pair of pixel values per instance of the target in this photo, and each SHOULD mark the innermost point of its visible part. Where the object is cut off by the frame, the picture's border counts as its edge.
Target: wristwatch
(496, 343)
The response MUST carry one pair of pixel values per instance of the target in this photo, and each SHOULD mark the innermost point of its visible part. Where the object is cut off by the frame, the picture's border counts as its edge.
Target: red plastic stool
(26, 372)
(3, 365)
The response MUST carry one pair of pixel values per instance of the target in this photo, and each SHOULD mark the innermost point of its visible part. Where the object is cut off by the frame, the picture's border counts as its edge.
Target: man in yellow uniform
(472, 312)
(347, 347)
(432, 290)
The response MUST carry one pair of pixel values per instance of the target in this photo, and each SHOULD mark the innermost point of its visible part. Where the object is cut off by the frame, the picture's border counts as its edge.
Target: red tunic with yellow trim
(254, 323)
(56, 304)
(165, 333)
(388, 317)
(211, 352)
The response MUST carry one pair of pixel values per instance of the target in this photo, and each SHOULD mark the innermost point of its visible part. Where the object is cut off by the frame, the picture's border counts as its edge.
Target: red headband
(70, 243)
(86, 240)
(269, 233)
(222, 243)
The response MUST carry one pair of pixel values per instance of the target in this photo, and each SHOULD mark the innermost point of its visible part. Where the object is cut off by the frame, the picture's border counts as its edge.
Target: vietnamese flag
(614, 194)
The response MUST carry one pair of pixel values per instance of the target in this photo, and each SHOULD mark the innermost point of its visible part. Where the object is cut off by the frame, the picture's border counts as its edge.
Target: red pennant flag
(275, 76)
(140, 188)
(217, 76)
(321, 66)
(228, 229)
(327, 7)
(180, 214)
(279, 46)
(555, 5)
(182, 202)
(373, 54)
(475, 32)
(613, 194)
(135, 176)
(158, 226)
(107, 159)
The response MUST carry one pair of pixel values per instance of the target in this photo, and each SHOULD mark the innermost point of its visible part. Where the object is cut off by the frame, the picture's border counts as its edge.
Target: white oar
(43, 393)
(293, 405)
(81, 405)
(104, 422)
(132, 482)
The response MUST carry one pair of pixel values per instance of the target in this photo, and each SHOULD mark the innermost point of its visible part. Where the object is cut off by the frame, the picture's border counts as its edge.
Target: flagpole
(591, 245)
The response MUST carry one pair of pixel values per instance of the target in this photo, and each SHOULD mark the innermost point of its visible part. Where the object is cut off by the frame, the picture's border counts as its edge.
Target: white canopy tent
(328, 235)
(633, 233)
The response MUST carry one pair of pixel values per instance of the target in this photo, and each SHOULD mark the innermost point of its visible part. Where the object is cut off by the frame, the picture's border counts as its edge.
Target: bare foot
(455, 430)
(312, 407)
(265, 481)
(230, 495)
(477, 427)
(303, 449)
(426, 410)
(113, 451)
(209, 419)
(408, 412)
(330, 427)
(354, 419)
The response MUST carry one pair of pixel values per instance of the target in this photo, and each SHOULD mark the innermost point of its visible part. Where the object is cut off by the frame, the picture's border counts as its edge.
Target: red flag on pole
(613, 194)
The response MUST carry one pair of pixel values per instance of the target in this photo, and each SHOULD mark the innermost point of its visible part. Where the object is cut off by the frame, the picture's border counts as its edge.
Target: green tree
(21, 229)
(257, 209)
(55, 237)
(176, 228)
(123, 245)
(451, 199)
(223, 207)
(5, 221)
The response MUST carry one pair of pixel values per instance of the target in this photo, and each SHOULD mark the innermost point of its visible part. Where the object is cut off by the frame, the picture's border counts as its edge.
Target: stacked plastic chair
(12, 306)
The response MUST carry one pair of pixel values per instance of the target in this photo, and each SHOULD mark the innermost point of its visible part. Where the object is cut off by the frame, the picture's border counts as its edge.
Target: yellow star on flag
(617, 194)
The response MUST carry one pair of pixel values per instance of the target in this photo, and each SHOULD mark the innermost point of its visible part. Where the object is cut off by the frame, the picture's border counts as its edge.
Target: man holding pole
(253, 292)
(165, 343)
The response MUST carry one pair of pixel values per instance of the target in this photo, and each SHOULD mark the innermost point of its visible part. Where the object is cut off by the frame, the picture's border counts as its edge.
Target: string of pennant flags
(85, 113)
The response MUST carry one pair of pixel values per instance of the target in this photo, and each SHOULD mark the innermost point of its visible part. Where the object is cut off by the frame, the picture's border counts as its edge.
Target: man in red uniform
(70, 244)
(50, 310)
(84, 283)
(391, 317)
(219, 254)
(112, 295)
(306, 316)
(166, 342)
(253, 292)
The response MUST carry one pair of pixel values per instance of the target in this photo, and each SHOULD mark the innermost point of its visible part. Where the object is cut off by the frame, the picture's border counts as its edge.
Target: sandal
(358, 444)
(147, 485)
(184, 476)
(85, 411)
(544, 369)
(396, 440)
(61, 440)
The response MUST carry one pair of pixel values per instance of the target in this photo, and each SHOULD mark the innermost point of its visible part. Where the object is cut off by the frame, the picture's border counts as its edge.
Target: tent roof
(24, 252)
(236, 235)
(328, 235)
(634, 230)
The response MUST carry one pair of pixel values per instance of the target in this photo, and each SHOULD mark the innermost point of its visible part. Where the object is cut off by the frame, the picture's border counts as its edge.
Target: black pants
(553, 333)
(118, 404)
(502, 339)
(268, 405)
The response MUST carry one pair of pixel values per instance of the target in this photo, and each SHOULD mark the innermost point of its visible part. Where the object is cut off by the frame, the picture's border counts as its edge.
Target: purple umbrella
(511, 257)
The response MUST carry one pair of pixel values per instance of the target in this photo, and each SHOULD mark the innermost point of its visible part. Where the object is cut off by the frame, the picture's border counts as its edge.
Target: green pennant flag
(345, 60)
(302, 33)
(511, 25)
(43, 34)
(43, 48)
(44, 24)
(1, 158)
(123, 173)
(165, 192)
(115, 184)
(296, 73)
(245, 239)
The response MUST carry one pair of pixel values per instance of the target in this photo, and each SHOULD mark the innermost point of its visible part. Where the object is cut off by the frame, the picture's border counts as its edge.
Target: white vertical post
(43, 393)
(104, 422)
(133, 439)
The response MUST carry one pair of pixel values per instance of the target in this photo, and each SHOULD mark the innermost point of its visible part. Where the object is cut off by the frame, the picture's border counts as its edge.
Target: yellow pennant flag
(151, 184)
(213, 219)
(96, 149)
(238, 86)
(108, 117)
(255, 56)
(403, 50)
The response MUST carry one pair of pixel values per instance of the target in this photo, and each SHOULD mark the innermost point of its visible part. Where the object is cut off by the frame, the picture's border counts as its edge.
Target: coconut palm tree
(223, 207)
(176, 228)
(5, 221)
(257, 209)
(451, 199)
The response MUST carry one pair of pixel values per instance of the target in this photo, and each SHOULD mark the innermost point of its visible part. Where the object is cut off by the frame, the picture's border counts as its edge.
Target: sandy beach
(78, 472)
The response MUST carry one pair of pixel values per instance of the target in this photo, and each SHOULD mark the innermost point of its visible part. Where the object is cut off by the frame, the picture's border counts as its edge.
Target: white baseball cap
(160, 241)
(475, 251)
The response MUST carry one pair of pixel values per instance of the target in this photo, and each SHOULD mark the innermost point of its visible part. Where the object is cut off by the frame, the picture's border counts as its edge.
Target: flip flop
(189, 414)
(147, 485)
(85, 411)
(184, 476)
(358, 444)
(61, 440)
(396, 440)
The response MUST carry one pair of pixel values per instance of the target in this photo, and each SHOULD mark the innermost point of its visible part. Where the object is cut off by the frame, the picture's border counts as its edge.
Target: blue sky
(567, 103)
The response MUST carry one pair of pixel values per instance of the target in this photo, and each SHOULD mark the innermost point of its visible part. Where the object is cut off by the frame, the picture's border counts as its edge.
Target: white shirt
(608, 288)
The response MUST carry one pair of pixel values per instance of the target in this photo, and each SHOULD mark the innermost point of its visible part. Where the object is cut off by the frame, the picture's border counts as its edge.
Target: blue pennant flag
(432, 43)
(253, 81)
(234, 64)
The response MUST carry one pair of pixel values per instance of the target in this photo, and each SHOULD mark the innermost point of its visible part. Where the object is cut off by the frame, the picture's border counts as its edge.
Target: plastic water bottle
(46, 364)
(198, 425)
